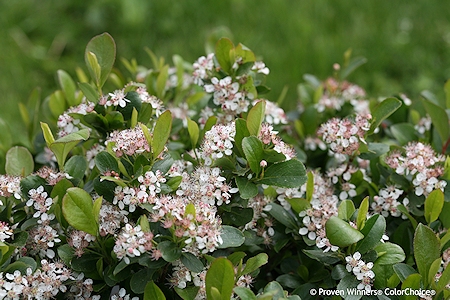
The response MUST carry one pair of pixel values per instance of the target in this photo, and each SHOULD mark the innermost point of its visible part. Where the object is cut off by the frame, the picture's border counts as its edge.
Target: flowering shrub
(185, 183)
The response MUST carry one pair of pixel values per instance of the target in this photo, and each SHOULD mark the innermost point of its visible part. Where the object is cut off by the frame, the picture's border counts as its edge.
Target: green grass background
(407, 43)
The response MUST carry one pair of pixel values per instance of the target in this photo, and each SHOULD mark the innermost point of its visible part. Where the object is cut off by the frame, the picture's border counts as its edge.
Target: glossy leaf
(153, 292)
(106, 162)
(439, 118)
(169, 250)
(140, 280)
(244, 293)
(161, 133)
(77, 207)
(389, 253)
(289, 174)
(67, 86)
(222, 53)
(256, 117)
(19, 161)
(247, 189)
(89, 92)
(403, 133)
(346, 210)
(281, 215)
(194, 132)
(254, 263)
(426, 249)
(403, 270)
(76, 166)
(433, 205)
(253, 151)
(192, 262)
(362, 213)
(231, 236)
(373, 232)
(382, 111)
(412, 282)
(100, 55)
(220, 276)
(340, 233)
(188, 293)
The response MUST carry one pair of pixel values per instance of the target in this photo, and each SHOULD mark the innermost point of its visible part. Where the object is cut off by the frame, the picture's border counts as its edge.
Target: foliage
(185, 176)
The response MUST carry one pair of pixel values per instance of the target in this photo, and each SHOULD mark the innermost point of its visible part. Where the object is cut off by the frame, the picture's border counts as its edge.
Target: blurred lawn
(407, 43)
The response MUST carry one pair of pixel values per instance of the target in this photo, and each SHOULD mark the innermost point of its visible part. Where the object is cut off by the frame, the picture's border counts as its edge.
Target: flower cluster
(270, 137)
(274, 114)
(5, 231)
(336, 94)
(387, 201)
(128, 141)
(9, 186)
(79, 240)
(207, 185)
(42, 239)
(41, 203)
(44, 283)
(68, 123)
(227, 95)
(132, 241)
(344, 136)
(421, 164)
(202, 68)
(217, 142)
(362, 270)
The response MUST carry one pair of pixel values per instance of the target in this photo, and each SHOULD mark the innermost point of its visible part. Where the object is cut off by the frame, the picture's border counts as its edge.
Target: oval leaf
(289, 174)
(77, 207)
(433, 205)
(426, 249)
(19, 161)
(340, 233)
(153, 292)
(382, 111)
(231, 237)
(104, 49)
(256, 117)
(220, 276)
(389, 254)
(161, 133)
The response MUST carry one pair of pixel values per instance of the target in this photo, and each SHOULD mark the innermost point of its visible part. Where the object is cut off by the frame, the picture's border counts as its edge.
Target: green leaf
(76, 166)
(153, 292)
(194, 132)
(77, 207)
(237, 216)
(389, 253)
(169, 250)
(404, 211)
(100, 55)
(433, 205)
(346, 210)
(403, 271)
(66, 253)
(253, 263)
(106, 162)
(340, 233)
(56, 103)
(281, 215)
(188, 293)
(373, 232)
(19, 161)
(222, 53)
(140, 280)
(426, 249)
(161, 81)
(241, 133)
(412, 282)
(68, 87)
(256, 117)
(444, 279)
(89, 92)
(231, 237)
(362, 213)
(220, 276)
(310, 186)
(374, 150)
(247, 189)
(346, 284)
(192, 262)
(244, 293)
(439, 118)
(61, 147)
(403, 133)
(355, 63)
(253, 151)
(161, 133)
(289, 174)
(382, 111)
(96, 208)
